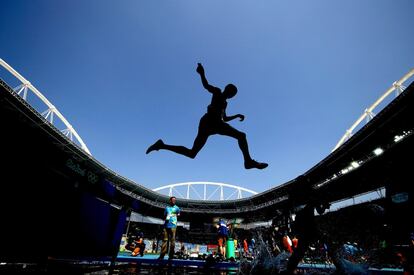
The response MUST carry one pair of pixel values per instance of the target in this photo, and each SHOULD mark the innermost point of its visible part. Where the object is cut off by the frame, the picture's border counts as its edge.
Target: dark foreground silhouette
(307, 230)
(212, 123)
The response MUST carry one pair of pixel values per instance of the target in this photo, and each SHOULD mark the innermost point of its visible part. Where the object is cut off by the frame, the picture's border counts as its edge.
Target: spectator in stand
(170, 226)
(276, 240)
(235, 243)
(287, 243)
(294, 242)
(251, 246)
(245, 247)
(154, 246)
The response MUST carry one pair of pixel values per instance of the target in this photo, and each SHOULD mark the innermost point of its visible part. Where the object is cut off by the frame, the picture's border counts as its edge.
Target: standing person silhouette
(214, 122)
(171, 212)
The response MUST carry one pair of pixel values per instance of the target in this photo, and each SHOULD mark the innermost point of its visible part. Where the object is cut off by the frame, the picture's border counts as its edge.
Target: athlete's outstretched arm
(208, 87)
(229, 118)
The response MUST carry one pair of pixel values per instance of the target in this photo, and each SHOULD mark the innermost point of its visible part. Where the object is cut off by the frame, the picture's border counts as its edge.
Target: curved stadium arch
(218, 190)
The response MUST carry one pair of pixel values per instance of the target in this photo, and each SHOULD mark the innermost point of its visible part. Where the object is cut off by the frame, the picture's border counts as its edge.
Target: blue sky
(123, 74)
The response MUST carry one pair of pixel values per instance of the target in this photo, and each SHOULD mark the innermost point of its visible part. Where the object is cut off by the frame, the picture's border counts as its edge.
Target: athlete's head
(172, 200)
(229, 91)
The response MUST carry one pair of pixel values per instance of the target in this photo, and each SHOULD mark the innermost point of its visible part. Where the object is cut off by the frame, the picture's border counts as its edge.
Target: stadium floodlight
(345, 170)
(397, 138)
(355, 164)
(378, 151)
(404, 134)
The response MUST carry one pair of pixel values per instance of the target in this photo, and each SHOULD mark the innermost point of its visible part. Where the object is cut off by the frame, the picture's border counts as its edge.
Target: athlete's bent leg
(249, 163)
(199, 142)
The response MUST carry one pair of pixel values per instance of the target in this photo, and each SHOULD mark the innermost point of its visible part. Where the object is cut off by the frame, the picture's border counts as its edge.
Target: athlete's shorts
(221, 240)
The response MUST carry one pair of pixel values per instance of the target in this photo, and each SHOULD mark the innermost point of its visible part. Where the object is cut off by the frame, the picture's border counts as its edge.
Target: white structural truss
(368, 114)
(51, 110)
(205, 190)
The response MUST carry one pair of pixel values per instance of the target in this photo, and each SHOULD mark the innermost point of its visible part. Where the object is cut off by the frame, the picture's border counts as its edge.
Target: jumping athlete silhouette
(214, 122)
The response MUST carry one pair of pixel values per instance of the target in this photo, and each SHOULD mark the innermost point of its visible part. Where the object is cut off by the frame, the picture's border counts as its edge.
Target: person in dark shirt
(222, 235)
(305, 226)
(212, 123)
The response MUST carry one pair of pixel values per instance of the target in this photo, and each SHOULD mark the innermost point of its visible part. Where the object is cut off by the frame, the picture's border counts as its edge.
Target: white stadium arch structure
(368, 114)
(201, 190)
(50, 110)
